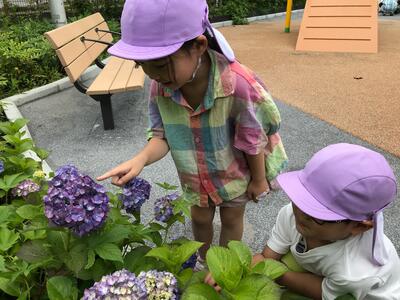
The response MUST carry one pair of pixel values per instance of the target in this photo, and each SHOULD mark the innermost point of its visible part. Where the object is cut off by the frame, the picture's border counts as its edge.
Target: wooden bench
(78, 45)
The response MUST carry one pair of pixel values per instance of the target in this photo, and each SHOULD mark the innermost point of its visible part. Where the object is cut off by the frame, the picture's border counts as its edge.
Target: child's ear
(362, 226)
(201, 43)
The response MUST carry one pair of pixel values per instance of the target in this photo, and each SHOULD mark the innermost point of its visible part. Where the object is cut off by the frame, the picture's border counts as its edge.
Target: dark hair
(212, 43)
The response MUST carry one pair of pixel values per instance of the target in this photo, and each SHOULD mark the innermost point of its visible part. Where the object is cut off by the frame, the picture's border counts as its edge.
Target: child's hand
(257, 258)
(257, 189)
(210, 281)
(124, 172)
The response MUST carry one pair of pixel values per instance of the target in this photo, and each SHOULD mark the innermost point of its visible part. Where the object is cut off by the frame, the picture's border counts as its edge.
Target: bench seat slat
(69, 52)
(103, 82)
(79, 65)
(62, 35)
(136, 80)
(121, 79)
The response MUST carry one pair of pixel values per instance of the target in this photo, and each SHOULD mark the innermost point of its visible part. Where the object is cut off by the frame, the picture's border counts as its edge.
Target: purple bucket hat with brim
(344, 181)
(152, 29)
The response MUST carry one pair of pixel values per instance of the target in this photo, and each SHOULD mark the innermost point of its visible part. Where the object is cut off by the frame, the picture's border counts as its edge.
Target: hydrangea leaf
(271, 268)
(7, 238)
(242, 252)
(10, 288)
(90, 259)
(29, 211)
(256, 287)
(136, 260)
(109, 252)
(289, 260)
(200, 291)
(162, 253)
(5, 213)
(34, 251)
(76, 258)
(61, 288)
(2, 264)
(184, 251)
(225, 267)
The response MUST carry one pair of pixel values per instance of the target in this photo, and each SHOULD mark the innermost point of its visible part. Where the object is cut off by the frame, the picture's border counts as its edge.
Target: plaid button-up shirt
(208, 144)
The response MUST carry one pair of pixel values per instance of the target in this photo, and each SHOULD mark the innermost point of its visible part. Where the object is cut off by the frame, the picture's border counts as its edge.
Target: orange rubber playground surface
(358, 93)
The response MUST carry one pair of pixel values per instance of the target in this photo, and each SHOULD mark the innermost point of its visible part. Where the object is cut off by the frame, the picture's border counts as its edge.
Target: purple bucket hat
(344, 181)
(152, 29)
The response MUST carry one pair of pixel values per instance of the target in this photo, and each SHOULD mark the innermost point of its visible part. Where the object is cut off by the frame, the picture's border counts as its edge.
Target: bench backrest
(77, 55)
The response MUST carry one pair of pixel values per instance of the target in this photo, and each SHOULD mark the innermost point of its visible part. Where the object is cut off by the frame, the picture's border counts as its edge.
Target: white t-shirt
(345, 264)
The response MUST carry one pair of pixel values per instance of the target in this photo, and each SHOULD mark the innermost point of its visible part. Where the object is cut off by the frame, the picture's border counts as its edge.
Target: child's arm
(155, 149)
(258, 183)
(306, 284)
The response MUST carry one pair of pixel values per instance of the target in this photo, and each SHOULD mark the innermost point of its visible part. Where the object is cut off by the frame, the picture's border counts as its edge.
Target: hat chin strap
(379, 252)
(195, 71)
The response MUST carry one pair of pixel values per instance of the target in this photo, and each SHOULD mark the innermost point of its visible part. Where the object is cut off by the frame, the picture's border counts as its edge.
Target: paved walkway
(69, 125)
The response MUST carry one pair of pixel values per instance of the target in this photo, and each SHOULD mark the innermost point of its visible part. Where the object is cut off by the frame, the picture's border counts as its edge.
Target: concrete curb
(92, 71)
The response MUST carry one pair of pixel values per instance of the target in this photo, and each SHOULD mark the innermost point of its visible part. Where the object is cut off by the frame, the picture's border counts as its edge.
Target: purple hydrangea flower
(25, 188)
(75, 201)
(134, 194)
(125, 285)
(191, 262)
(118, 285)
(1, 166)
(163, 208)
(158, 285)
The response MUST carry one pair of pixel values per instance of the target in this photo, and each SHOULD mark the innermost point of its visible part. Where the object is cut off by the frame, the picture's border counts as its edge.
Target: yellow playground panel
(337, 26)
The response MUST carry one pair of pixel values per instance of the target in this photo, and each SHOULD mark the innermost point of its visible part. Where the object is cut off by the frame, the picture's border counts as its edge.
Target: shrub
(26, 58)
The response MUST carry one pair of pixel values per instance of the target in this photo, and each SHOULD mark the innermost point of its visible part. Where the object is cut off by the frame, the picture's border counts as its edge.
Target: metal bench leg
(106, 110)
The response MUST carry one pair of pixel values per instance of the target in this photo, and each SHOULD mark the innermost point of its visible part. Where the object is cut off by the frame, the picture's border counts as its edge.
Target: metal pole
(57, 10)
(288, 15)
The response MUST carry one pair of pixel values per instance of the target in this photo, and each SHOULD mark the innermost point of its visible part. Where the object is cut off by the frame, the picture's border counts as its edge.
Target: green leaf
(59, 243)
(162, 253)
(62, 288)
(184, 251)
(18, 124)
(271, 268)
(225, 267)
(184, 276)
(11, 181)
(136, 260)
(29, 211)
(2, 264)
(34, 234)
(116, 234)
(5, 212)
(109, 252)
(242, 252)
(11, 288)
(42, 153)
(90, 259)
(76, 258)
(7, 238)
(34, 251)
(256, 287)
(288, 295)
(167, 186)
(200, 291)
(289, 260)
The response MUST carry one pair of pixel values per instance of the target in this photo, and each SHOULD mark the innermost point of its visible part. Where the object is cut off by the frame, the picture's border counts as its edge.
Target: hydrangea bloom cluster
(152, 285)
(75, 201)
(158, 285)
(134, 194)
(119, 285)
(25, 188)
(191, 262)
(163, 209)
(1, 166)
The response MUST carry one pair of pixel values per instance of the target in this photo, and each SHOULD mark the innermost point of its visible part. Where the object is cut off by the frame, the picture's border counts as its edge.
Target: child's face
(326, 231)
(176, 70)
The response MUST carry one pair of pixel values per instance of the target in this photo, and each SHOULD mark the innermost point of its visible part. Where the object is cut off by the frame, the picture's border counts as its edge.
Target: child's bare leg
(231, 224)
(202, 226)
